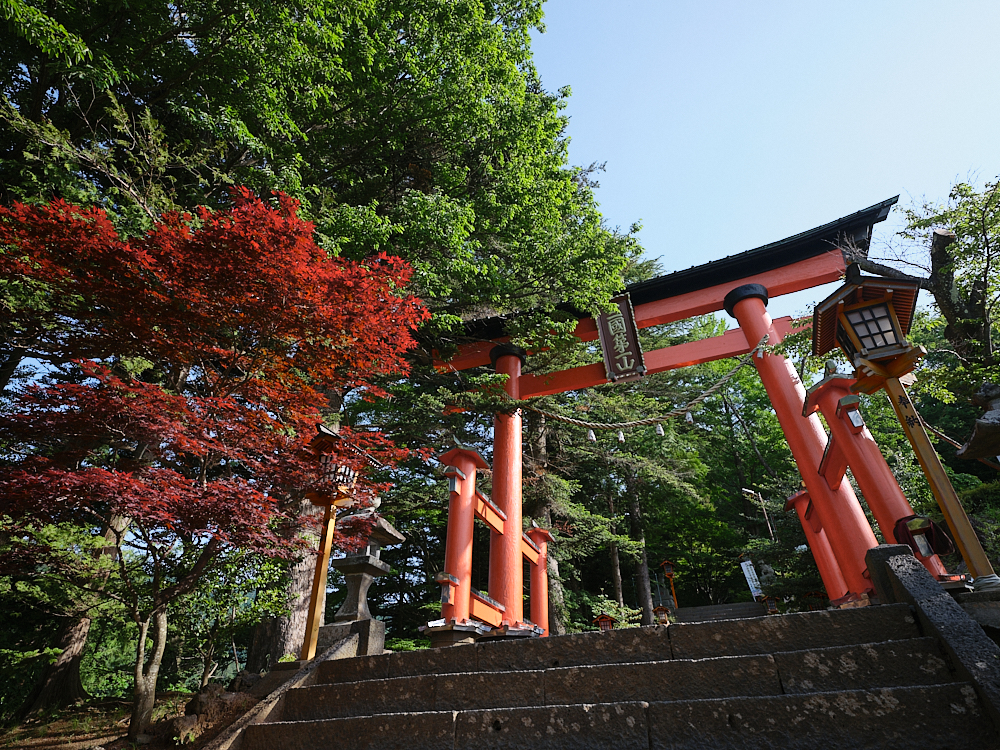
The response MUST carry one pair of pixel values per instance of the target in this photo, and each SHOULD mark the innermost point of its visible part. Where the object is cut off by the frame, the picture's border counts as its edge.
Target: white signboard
(751, 576)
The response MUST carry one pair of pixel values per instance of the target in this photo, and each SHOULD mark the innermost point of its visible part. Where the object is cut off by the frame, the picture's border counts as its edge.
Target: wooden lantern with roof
(605, 622)
(869, 319)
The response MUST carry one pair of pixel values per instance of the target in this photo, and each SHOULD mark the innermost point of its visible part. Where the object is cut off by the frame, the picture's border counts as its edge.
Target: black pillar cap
(503, 350)
(741, 293)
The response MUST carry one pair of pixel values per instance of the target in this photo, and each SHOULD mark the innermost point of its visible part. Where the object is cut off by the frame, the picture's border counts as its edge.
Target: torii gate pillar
(819, 545)
(839, 511)
(506, 565)
(851, 442)
(540, 580)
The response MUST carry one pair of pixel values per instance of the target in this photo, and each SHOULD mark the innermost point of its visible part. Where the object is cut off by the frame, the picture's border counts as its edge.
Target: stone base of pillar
(371, 636)
(512, 633)
(452, 634)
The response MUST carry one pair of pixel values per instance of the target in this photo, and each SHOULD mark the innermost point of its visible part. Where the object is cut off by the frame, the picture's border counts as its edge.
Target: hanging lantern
(659, 430)
(591, 436)
(688, 417)
(621, 436)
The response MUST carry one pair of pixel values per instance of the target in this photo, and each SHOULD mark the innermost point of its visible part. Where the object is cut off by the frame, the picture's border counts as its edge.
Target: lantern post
(342, 479)
(868, 318)
(668, 573)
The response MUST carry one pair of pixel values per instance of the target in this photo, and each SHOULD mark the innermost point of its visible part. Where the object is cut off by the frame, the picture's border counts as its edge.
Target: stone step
(738, 611)
(763, 635)
(875, 665)
(936, 716)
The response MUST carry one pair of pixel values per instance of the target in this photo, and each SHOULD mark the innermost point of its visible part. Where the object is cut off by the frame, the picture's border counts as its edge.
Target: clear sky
(729, 124)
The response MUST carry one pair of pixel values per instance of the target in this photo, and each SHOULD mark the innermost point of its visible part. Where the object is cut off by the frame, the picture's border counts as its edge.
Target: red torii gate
(836, 528)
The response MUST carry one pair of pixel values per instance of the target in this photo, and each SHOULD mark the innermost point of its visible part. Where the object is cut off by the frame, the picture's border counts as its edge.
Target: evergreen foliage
(411, 135)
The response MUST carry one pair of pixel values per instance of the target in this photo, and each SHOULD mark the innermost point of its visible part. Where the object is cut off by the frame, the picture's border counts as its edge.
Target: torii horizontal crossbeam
(790, 265)
(730, 344)
(792, 278)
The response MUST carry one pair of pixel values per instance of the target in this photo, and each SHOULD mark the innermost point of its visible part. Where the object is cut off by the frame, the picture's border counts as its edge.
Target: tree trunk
(616, 567)
(616, 573)
(60, 685)
(557, 597)
(208, 666)
(208, 669)
(275, 637)
(644, 592)
(146, 672)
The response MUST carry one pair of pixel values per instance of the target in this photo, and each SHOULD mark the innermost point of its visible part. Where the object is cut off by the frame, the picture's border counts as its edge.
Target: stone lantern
(362, 568)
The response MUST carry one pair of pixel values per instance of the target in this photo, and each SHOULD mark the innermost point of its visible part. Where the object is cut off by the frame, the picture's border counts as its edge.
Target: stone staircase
(863, 678)
(736, 611)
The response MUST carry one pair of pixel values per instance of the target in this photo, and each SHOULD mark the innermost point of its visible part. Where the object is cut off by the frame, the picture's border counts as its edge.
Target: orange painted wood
(486, 612)
(540, 580)
(475, 354)
(877, 482)
(529, 552)
(487, 515)
(506, 579)
(458, 544)
(819, 545)
(730, 344)
(833, 467)
(792, 278)
(840, 513)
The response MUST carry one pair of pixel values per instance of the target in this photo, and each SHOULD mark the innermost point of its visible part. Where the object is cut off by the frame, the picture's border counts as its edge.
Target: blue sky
(726, 125)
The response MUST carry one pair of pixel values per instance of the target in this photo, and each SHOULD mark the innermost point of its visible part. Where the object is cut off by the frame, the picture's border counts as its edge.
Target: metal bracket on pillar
(741, 293)
(454, 474)
(503, 350)
(848, 410)
(448, 583)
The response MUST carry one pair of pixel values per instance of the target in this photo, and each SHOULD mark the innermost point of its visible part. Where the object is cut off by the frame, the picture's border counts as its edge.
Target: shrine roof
(855, 227)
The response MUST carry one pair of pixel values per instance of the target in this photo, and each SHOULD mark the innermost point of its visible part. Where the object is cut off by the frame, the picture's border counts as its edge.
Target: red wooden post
(819, 545)
(506, 573)
(840, 512)
(540, 580)
(461, 520)
(834, 399)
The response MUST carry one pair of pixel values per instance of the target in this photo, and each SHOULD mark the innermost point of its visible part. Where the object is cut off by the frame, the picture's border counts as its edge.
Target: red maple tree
(200, 356)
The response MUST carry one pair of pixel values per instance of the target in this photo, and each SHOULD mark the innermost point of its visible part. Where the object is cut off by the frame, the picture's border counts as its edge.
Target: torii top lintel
(790, 265)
